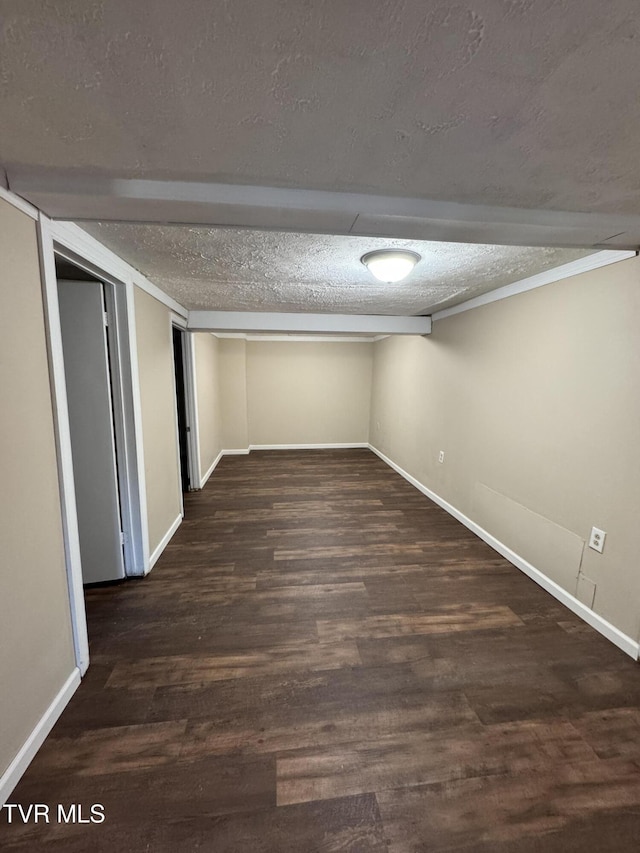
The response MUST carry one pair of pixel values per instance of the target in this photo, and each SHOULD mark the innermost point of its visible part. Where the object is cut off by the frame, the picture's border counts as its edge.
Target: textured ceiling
(236, 269)
(523, 103)
(526, 104)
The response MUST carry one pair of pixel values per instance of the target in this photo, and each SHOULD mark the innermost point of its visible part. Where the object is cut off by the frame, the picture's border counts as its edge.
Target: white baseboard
(23, 759)
(348, 446)
(241, 451)
(624, 642)
(210, 470)
(157, 551)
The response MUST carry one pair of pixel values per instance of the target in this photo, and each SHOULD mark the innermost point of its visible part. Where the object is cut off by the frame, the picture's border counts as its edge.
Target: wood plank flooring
(323, 660)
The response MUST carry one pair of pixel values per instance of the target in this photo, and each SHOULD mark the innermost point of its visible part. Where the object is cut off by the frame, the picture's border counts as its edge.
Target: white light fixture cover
(390, 264)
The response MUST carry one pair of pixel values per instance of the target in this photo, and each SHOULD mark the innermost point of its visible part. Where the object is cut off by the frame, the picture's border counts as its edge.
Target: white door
(86, 367)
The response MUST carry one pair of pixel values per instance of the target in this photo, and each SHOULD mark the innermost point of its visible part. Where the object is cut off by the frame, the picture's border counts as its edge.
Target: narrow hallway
(323, 659)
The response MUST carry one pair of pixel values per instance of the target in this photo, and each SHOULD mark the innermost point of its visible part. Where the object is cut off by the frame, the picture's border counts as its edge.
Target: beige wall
(233, 393)
(157, 394)
(535, 401)
(35, 624)
(208, 399)
(308, 392)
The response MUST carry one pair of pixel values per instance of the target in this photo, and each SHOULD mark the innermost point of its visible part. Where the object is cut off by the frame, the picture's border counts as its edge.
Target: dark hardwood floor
(323, 660)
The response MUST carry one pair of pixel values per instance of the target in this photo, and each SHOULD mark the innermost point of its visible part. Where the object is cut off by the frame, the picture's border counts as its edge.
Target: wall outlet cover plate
(596, 540)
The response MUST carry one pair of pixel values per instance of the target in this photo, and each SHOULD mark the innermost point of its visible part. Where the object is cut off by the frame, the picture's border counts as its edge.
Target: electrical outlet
(441, 456)
(596, 540)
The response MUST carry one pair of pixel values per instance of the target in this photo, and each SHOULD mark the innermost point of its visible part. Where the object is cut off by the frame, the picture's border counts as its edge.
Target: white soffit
(311, 337)
(320, 324)
(72, 194)
(210, 269)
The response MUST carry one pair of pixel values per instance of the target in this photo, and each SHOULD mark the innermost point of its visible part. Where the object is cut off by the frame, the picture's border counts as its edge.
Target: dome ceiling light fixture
(390, 265)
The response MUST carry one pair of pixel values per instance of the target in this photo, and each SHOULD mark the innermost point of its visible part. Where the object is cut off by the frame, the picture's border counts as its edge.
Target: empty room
(320, 472)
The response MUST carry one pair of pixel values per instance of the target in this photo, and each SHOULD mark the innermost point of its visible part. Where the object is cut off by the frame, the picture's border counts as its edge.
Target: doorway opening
(87, 324)
(68, 255)
(182, 416)
(93, 327)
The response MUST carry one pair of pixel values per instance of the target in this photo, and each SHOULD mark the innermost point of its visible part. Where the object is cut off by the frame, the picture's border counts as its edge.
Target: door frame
(131, 482)
(71, 243)
(191, 401)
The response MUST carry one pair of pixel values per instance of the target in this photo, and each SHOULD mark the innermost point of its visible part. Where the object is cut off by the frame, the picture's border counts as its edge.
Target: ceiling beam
(73, 195)
(323, 324)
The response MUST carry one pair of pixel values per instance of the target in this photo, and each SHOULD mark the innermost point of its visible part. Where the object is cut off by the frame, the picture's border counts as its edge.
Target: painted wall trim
(25, 756)
(256, 321)
(193, 416)
(64, 457)
(591, 262)
(157, 551)
(236, 451)
(624, 642)
(127, 406)
(79, 241)
(356, 445)
(20, 203)
(138, 449)
(190, 460)
(179, 320)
